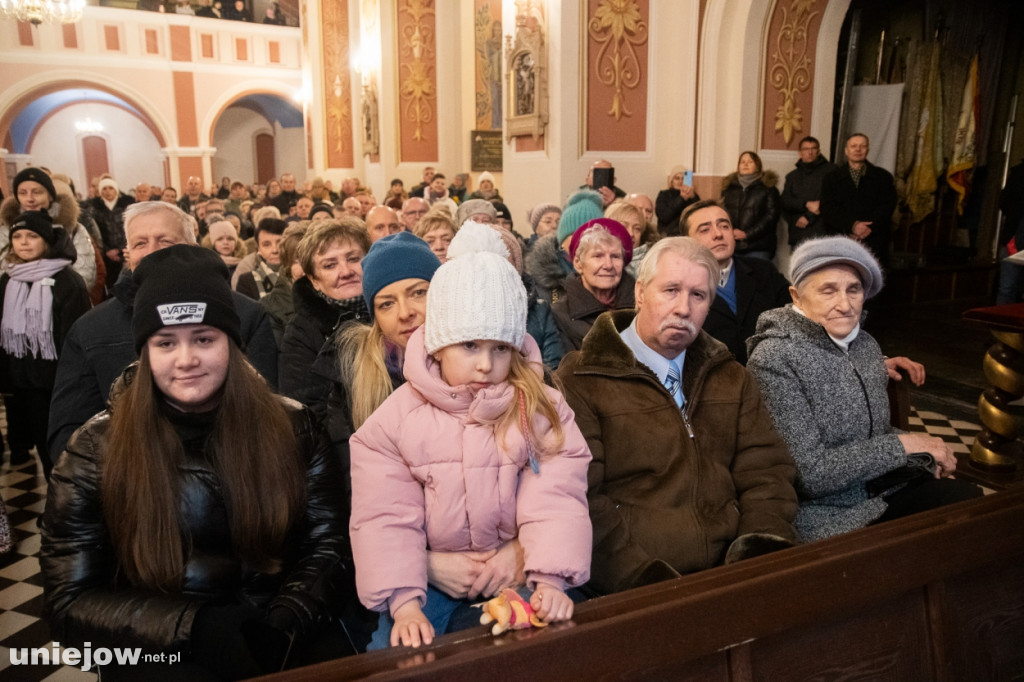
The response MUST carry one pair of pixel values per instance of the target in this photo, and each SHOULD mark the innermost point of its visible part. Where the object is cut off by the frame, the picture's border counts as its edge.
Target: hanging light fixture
(43, 11)
(88, 126)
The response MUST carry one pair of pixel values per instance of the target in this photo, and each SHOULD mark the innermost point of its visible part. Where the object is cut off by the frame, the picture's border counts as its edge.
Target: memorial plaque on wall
(486, 148)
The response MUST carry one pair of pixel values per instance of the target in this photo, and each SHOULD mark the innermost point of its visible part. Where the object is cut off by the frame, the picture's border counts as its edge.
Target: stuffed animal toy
(509, 611)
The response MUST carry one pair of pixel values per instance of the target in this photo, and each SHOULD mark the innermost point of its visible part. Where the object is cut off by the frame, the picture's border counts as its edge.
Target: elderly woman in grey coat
(824, 382)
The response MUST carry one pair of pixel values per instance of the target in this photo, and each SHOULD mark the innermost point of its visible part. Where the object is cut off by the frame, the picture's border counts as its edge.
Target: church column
(328, 107)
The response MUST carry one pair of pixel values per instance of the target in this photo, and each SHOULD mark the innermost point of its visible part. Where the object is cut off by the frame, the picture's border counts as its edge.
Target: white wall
(234, 137)
(290, 151)
(132, 151)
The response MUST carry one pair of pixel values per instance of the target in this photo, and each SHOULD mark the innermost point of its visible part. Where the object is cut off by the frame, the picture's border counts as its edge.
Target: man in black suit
(747, 287)
(858, 199)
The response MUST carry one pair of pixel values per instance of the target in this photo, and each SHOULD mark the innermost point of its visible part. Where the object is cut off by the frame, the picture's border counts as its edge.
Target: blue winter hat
(398, 256)
(582, 207)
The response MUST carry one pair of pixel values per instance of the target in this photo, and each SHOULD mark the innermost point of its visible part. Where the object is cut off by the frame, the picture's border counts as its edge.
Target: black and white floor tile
(24, 492)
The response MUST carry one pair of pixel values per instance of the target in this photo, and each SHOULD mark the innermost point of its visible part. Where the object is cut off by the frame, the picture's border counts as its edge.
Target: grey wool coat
(831, 407)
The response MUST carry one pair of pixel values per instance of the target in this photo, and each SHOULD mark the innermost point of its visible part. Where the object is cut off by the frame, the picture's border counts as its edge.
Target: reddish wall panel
(25, 36)
(181, 44)
(185, 104)
(616, 73)
(417, 80)
(789, 73)
(206, 45)
(337, 85)
(112, 38)
(70, 36)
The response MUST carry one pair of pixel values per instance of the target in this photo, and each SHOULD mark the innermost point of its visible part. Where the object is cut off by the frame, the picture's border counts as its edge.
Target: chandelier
(43, 11)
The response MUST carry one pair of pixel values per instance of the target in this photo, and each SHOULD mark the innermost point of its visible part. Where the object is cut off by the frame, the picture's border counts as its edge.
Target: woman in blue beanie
(396, 275)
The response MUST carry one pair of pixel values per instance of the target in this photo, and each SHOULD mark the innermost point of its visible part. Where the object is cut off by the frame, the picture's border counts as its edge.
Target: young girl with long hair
(42, 297)
(223, 239)
(471, 452)
(200, 514)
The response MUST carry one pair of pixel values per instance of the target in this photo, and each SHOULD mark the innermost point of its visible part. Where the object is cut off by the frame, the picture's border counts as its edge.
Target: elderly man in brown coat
(688, 471)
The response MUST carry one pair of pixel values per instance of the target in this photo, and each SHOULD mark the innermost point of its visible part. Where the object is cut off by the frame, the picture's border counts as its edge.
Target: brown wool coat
(654, 492)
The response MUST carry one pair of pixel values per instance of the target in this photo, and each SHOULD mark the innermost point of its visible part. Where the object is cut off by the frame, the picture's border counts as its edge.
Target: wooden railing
(936, 596)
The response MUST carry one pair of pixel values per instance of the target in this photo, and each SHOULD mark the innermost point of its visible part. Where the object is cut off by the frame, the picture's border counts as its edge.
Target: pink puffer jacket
(427, 473)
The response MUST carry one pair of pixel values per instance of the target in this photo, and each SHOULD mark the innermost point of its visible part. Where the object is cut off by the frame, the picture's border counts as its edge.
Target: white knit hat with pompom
(476, 294)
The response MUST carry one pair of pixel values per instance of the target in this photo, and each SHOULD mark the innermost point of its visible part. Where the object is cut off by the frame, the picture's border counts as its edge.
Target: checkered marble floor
(958, 434)
(24, 491)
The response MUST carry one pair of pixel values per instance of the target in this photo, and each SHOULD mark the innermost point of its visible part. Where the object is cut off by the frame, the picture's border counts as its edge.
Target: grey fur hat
(473, 206)
(815, 254)
(539, 211)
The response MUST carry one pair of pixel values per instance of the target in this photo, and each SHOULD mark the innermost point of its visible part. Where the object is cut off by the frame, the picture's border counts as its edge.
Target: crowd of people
(234, 10)
(282, 425)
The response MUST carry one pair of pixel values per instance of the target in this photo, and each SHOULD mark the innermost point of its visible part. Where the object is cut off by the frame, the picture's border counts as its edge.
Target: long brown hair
(252, 449)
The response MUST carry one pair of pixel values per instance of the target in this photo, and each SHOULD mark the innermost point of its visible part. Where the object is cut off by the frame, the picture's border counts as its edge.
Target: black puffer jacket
(87, 600)
(669, 208)
(110, 220)
(803, 184)
(306, 338)
(755, 210)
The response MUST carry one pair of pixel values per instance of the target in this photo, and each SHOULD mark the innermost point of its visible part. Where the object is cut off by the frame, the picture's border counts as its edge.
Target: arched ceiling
(24, 125)
(273, 108)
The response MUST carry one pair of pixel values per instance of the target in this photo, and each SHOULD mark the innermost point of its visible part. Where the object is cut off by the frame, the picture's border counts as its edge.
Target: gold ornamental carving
(618, 28)
(337, 81)
(416, 88)
(791, 65)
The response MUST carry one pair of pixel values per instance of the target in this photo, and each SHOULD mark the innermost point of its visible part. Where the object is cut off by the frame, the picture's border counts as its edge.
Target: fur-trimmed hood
(769, 178)
(545, 264)
(66, 209)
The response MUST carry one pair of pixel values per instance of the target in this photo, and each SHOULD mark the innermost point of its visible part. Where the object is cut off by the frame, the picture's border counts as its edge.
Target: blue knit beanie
(398, 256)
(582, 207)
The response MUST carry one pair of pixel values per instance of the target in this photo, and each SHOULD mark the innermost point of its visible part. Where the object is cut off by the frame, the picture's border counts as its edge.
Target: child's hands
(551, 604)
(411, 627)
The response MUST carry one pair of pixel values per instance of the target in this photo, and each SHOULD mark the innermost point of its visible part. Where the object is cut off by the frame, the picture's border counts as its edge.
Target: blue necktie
(673, 385)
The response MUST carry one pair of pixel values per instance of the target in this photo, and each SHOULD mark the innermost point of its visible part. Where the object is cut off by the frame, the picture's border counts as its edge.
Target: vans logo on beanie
(182, 313)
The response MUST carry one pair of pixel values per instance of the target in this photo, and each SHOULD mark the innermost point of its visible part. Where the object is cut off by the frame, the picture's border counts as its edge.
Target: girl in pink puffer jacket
(472, 456)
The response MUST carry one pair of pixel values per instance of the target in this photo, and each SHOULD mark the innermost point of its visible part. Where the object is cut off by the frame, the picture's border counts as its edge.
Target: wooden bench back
(936, 596)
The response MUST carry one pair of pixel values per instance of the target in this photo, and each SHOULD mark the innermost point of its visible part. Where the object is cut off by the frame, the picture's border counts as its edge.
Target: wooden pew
(937, 596)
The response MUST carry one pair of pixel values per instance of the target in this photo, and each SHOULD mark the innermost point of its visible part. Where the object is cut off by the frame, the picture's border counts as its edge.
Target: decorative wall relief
(792, 42)
(526, 56)
(617, 58)
(487, 29)
(617, 27)
(337, 85)
(417, 79)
